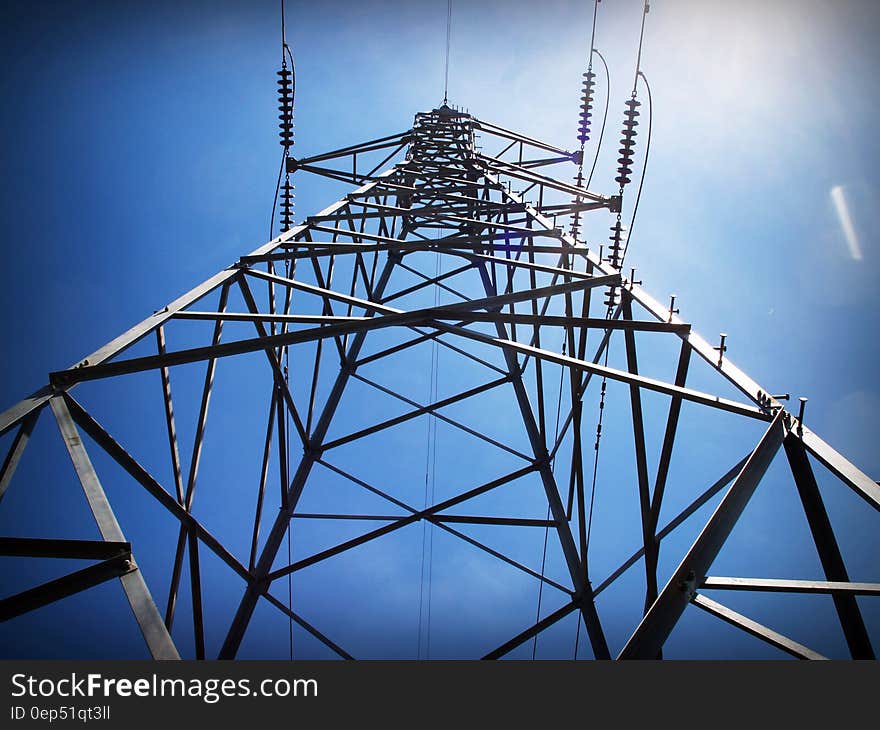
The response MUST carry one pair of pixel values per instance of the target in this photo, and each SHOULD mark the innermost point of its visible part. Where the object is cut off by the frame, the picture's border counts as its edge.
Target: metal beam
(147, 615)
(524, 636)
(307, 626)
(68, 585)
(143, 477)
(623, 376)
(829, 553)
(675, 522)
(649, 637)
(16, 450)
(780, 585)
(644, 488)
(33, 547)
(755, 629)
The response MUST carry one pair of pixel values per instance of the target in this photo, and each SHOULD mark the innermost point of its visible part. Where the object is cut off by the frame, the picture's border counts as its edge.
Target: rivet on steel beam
(672, 309)
(722, 348)
(688, 586)
(800, 418)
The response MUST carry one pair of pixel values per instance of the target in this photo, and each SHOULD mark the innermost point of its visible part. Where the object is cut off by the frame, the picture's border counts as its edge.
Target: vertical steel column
(826, 544)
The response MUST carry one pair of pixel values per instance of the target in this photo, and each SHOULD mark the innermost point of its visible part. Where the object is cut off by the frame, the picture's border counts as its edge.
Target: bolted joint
(291, 165)
(688, 585)
(541, 461)
(615, 204)
(577, 157)
(313, 450)
(61, 379)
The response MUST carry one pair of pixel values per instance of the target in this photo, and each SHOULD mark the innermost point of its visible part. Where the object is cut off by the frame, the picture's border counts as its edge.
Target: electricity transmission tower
(433, 255)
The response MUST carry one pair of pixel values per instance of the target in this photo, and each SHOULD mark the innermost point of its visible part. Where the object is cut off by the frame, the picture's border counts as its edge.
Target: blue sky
(140, 155)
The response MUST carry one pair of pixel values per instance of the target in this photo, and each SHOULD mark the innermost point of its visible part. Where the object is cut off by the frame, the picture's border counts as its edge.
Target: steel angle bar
(644, 489)
(511, 170)
(88, 424)
(323, 555)
(857, 480)
(755, 629)
(329, 516)
(523, 637)
(376, 144)
(275, 364)
(365, 485)
(147, 615)
(16, 450)
(826, 544)
(669, 437)
(655, 627)
(68, 585)
(782, 585)
(399, 523)
(15, 413)
(269, 317)
(430, 408)
(527, 265)
(504, 558)
(428, 281)
(33, 547)
(400, 317)
(499, 131)
(733, 374)
(338, 175)
(446, 419)
(307, 626)
(619, 375)
(489, 520)
(675, 522)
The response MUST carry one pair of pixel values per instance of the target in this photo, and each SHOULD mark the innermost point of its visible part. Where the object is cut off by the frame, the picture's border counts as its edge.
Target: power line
(448, 38)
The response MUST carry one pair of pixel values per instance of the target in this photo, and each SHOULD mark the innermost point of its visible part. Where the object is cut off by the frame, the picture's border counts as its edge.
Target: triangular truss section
(433, 258)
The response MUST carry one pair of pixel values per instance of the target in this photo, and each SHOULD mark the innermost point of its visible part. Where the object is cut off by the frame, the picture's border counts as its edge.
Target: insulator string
(584, 117)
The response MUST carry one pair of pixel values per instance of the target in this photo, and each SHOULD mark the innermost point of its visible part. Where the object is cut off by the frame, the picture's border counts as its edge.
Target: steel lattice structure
(353, 275)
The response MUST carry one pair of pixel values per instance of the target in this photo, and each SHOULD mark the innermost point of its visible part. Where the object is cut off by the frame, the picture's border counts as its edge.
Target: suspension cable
(448, 39)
